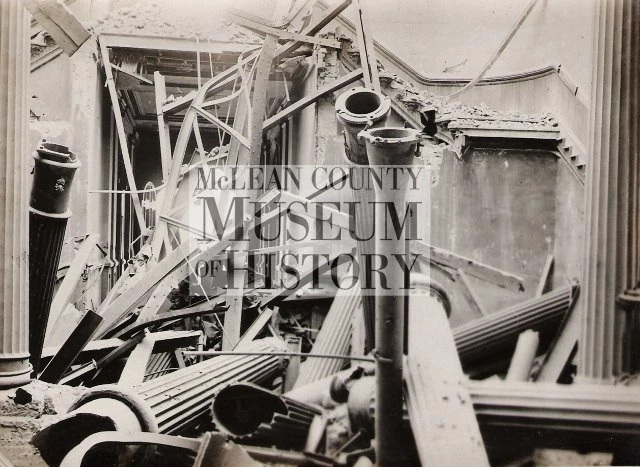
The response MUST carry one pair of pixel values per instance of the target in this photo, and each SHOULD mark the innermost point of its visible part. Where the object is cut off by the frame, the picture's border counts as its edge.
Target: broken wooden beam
(310, 99)
(71, 348)
(68, 286)
(545, 277)
(60, 23)
(468, 265)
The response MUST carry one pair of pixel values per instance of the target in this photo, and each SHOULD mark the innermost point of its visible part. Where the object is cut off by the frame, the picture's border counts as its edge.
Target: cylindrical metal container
(358, 109)
(55, 166)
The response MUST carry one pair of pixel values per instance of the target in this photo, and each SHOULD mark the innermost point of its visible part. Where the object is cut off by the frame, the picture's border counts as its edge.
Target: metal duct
(358, 109)
(168, 404)
(334, 337)
(55, 166)
(255, 415)
(499, 331)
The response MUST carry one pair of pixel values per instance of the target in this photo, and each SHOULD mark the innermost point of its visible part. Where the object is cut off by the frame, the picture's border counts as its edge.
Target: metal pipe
(327, 391)
(169, 404)
(395, 148)
(211, 353)
(55, 166)
(358, 109)
(256, 415)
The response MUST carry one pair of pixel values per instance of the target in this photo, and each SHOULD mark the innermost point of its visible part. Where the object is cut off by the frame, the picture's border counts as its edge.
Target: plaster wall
(454, 45)
(498, 207)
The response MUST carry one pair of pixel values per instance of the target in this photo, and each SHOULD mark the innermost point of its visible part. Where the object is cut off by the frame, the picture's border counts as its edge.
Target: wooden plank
(61, 24)
(283, 34)
(71, 348)
(120, 306)
(136, 366)
(468, 293)
(122, 137)
(68, 286)
(163, 126)
(545, 277)
(468, 265)
(178, 104)
(306, 101)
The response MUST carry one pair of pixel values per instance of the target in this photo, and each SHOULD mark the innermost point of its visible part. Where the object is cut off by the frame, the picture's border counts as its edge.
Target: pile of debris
(167, 371)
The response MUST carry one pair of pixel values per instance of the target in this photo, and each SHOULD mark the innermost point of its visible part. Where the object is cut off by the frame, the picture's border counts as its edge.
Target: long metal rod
(212, 353)
(497, 53)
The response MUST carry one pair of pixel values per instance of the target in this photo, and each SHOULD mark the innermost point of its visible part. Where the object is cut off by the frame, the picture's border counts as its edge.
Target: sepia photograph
(332, 233)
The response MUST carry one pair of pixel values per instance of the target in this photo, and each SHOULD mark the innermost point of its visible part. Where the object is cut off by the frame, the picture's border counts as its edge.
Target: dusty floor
(23, 411)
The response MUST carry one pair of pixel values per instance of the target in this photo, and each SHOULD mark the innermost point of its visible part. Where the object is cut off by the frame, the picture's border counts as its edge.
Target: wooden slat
(251, 157)
(136, 366)
(65, 29)
(282, 34)
(439, 405)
